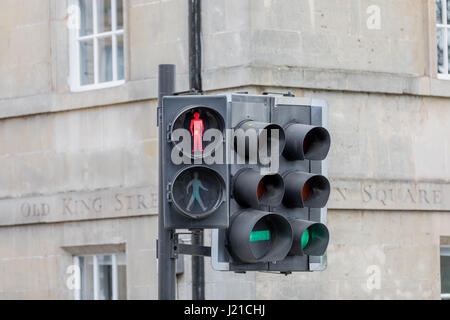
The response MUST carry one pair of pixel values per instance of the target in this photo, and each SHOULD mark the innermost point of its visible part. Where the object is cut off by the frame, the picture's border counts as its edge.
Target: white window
(445, 272)
(443, 38)
(102, 277)
(96, 44)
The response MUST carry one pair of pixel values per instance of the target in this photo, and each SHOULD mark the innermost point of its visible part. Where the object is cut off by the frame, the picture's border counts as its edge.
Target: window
(445, 272)
(96, 44)
(443, 38)
(102, 277)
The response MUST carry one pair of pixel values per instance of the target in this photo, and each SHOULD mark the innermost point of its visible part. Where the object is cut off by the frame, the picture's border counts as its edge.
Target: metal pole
(198, 268)
(195, 82)
(195, 48)
(166, 264)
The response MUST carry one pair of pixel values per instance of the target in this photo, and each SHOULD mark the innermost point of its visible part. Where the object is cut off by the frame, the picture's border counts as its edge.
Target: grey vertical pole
(166, 264)
(198, 268)
(195, 45)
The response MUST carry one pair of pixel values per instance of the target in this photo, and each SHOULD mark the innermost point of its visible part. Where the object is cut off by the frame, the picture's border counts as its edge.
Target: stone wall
(80, 169)
(35, 259)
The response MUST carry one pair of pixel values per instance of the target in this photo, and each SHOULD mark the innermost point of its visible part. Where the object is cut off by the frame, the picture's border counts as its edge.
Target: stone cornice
(234, 77)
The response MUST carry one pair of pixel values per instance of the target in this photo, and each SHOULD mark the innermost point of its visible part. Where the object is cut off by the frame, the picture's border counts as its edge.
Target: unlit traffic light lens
(251, 189)
(270, 188)
(261, 135)
(306, 142)
(304, 189)
(260, 190)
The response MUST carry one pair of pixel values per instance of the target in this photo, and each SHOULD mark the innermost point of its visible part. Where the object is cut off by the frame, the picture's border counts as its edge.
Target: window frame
(445, 251)
(74, 47)
(446, 30)
(95, 280)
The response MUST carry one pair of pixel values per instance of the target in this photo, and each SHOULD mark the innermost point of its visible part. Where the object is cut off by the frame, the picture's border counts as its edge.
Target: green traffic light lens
(305, 238)
(259, 235)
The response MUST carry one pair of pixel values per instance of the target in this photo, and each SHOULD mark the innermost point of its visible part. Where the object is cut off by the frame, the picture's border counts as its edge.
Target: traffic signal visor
(259, 236)
(306, 142)
(309, 238)
(305, 190)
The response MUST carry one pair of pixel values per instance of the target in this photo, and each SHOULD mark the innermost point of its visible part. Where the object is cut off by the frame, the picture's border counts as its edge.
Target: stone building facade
(79, 142)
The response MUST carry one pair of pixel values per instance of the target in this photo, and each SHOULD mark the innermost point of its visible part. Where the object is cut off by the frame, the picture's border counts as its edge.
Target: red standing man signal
(197, 129)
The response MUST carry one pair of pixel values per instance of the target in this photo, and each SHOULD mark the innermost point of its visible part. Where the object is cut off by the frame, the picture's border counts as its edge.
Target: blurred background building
(79, 144)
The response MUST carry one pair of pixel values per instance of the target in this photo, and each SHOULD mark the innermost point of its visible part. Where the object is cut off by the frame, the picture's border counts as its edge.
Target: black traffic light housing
(277, 213)
(195, 176)
(253, 168)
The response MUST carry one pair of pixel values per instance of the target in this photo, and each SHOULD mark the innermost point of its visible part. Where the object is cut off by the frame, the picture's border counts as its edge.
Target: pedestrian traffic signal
(197, 192)
(195, 175)
(279, 189)
(196, 124)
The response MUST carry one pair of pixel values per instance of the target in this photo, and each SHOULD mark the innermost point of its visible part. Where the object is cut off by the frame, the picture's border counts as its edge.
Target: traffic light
(253, 168)
(279, 189)
(195, 176)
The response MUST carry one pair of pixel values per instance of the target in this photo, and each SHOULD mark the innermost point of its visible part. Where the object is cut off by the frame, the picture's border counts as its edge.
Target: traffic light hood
(304, 189)
(309, 238)
(260, 236)
(306, 142)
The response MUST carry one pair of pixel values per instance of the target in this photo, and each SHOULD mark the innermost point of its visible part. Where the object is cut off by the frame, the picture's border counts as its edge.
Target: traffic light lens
(305, 238)
(316, 144)
(264, 136)
(260, 239)
(275, 133)
(197, 192)
(310, 238)
(196, 121)
(262, 235)
(260, 190)
(270, 189)
(306, 142)
(306, 191)
(251, 189)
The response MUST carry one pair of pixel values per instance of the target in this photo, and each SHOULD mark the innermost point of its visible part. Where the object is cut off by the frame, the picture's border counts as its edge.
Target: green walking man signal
(196, 185)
